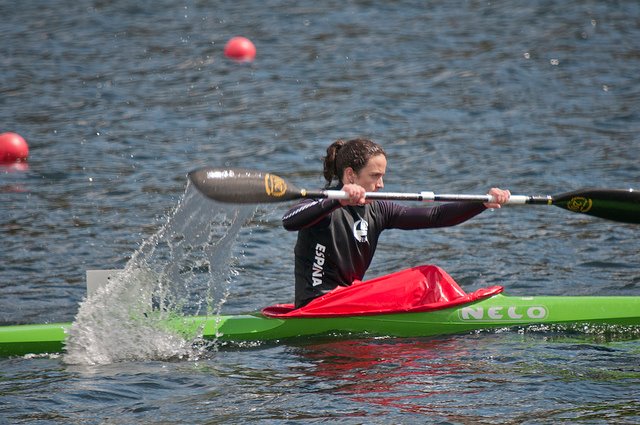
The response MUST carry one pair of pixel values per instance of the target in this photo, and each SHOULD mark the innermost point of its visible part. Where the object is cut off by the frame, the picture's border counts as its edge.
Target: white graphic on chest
(360, 229)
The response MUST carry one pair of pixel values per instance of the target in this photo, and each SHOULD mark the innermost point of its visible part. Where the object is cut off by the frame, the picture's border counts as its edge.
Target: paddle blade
(240, 186)
(612, 204)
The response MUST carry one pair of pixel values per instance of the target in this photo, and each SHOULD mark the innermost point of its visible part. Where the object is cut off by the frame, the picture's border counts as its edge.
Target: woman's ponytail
(330, 169)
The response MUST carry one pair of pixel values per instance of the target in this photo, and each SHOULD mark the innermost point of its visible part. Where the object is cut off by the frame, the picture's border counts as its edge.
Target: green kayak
(496, 311)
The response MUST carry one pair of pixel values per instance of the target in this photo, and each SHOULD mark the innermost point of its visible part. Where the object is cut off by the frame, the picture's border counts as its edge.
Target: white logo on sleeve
(360, 229)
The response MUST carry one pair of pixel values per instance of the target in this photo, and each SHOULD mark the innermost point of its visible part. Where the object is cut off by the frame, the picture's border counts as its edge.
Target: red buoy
(13, 148)
(240, 49)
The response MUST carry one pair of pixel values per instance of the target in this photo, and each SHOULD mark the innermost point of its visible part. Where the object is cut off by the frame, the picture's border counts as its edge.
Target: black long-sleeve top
(336, 244)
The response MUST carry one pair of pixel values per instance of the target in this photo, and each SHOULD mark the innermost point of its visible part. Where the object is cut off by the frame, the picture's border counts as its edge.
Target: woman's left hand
(501, 196)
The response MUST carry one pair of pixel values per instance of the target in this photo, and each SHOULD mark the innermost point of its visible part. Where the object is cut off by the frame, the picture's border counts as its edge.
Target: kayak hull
(20, 340)
(498, 311)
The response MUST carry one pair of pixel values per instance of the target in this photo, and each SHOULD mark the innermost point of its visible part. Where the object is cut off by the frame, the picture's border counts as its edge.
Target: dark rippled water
(119, 100)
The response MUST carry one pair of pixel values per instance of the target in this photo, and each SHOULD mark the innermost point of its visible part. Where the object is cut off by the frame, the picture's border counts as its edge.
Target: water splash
(183, 269)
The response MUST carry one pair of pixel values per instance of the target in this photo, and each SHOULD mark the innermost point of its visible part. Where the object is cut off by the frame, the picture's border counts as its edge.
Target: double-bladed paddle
(242, 186)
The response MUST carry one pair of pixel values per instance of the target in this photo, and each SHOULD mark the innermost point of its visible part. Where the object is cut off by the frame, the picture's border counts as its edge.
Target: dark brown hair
(353, 153)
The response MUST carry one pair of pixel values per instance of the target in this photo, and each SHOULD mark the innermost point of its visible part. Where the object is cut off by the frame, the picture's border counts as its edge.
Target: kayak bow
(497, 311)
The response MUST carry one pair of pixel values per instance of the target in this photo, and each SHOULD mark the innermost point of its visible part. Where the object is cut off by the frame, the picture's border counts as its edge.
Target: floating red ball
(240, 49)
(13, 148)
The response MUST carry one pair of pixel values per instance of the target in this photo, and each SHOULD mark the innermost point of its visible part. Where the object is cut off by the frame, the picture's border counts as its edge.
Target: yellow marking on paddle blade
(579, 204)
(274, 186)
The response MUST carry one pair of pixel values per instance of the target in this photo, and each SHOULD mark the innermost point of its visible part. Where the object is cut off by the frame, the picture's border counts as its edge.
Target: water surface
(119, 100)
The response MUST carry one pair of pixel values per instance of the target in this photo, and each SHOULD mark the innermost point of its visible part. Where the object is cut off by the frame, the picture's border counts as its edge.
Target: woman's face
(370, 177)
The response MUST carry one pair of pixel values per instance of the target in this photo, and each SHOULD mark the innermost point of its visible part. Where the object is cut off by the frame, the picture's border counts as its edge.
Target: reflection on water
(397, 374)
(471, 379)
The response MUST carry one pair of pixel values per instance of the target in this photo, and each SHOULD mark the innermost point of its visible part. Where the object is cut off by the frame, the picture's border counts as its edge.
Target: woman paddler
(337, 238)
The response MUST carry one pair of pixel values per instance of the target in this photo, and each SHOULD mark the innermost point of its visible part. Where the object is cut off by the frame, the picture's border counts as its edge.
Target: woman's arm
(449, 214)
(308, 212)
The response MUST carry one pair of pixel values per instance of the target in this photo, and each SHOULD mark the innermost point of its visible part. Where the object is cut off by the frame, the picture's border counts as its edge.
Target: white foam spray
(183, 269)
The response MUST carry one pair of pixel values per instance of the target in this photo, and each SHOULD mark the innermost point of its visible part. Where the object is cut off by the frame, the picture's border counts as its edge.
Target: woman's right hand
(356, 195)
